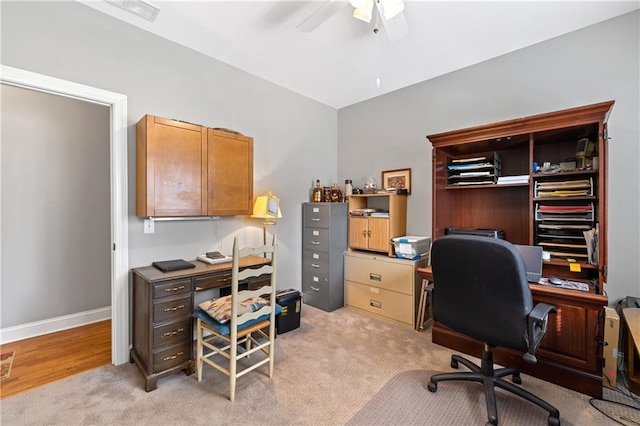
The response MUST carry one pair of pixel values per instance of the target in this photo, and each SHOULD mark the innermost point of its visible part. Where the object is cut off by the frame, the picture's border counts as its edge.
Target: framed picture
(400, 178)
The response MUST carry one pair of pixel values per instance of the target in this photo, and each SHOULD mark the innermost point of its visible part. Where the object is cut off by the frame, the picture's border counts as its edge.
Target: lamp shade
(267, 207)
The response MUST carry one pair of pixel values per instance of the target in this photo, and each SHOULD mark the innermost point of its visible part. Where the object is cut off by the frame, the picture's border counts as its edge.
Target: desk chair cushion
(220, 309)
(225, 328)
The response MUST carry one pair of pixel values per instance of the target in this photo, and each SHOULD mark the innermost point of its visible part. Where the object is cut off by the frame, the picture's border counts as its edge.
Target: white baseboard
(38, 328)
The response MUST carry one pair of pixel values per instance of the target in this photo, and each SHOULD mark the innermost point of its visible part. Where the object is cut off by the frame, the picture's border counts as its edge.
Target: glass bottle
(348, 188)
(317, 192)
(336, 194)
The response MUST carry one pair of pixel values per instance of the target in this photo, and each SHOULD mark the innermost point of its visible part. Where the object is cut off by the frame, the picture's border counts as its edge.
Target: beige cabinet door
(230, 173)
(358, 238)
(378, 234)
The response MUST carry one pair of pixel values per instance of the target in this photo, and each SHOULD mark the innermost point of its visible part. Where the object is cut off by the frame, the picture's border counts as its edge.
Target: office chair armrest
(430, 299)
(537, 327)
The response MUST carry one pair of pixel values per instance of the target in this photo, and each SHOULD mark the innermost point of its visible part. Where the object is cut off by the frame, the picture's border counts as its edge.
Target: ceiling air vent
(137, 7)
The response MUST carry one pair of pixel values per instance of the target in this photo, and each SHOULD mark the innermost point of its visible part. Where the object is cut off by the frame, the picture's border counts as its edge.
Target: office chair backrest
(481, 289)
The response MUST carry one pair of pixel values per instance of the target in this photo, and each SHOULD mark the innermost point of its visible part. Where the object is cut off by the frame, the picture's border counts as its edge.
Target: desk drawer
(379, 301)
(172, 333)
(171, 357)
(213, 281)
(173, 308)
(316, 215)
(172, 287)
(380, 273)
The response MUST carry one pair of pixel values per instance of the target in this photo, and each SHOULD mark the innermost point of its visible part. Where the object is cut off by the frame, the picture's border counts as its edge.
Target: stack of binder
(482, 170)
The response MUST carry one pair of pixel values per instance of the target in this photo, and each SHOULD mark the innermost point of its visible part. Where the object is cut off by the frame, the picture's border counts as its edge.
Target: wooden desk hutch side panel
(170, 168)
(570, 354)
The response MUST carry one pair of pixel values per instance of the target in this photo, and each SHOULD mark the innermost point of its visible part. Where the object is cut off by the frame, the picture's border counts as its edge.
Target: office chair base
(491, 378)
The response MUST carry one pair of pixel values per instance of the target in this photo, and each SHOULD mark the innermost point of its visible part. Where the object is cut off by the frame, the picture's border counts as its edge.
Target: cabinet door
(230, 173)
(358, 233)
(171, 168)
(378, 234)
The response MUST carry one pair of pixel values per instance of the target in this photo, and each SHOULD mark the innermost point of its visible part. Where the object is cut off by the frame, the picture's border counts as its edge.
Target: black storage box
(289, 318)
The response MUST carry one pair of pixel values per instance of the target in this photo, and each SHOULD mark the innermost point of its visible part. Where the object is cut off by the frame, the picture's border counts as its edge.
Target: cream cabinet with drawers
(384, 286)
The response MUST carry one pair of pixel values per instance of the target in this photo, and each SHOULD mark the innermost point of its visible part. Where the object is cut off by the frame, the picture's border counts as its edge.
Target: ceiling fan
(390, 12)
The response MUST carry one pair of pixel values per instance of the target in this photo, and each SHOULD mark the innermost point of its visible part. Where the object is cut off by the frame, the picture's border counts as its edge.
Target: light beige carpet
(338, 367)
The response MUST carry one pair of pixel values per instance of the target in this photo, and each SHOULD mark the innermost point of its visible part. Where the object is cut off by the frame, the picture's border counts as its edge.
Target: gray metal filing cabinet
(324, 242)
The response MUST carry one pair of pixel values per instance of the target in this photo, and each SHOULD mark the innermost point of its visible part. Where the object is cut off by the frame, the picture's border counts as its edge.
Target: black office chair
(480, 289)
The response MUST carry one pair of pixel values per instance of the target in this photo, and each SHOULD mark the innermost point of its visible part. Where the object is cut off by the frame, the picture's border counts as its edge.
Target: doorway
(118, 189)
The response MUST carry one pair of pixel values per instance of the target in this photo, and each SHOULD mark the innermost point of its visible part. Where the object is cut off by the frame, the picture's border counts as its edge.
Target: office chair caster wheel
(432, 386)
(554, 421)
(516, 379)
(454, 363)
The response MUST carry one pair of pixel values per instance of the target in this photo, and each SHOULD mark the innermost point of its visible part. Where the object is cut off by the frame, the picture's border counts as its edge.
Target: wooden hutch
(530, 209)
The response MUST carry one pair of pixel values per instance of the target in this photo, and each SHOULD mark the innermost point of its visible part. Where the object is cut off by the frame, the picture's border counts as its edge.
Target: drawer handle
(315, 265)
(167, 290)
(315, 219)
(315, 243)
(175, 308)
(173, 333)
(375, 304)
(169, 358)
(375, 277)
(314, 288)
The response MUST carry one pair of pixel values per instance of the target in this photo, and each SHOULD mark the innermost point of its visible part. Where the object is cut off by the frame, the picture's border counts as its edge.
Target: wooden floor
(45, 359)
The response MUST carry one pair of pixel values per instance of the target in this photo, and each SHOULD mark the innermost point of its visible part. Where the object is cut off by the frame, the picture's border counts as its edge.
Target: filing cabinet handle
(315, 243)
(315, 219)
(173, 333)
(169, 358)
(175, 308)
(314, 288)
(375, 304)
(375, 277)
(167, 290)
(315, 265)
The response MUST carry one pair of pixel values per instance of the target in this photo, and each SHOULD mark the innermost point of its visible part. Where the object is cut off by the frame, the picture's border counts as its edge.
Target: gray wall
(592, 65)
(56, 257)
(295, 139)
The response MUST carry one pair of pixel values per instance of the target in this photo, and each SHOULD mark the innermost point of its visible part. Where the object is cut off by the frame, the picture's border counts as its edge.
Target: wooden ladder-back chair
(240, 318)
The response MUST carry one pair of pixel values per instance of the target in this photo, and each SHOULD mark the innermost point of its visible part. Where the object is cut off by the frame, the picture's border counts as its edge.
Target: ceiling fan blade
(396, 26)
(318, 17)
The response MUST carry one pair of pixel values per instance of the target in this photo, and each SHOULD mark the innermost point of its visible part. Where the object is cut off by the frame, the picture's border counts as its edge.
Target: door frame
(119, 214)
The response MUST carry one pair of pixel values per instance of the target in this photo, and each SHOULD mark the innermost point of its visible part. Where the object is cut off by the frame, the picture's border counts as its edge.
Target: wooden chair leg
(199, 351)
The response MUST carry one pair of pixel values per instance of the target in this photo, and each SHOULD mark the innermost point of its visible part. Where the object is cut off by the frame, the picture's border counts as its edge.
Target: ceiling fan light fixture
(391, 8)
(365, 12)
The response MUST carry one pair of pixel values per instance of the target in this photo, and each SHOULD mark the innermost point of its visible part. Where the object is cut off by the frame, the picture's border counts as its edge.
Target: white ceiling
(338, 63)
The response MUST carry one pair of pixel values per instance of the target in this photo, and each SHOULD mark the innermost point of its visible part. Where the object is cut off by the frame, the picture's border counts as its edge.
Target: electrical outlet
(149, 226)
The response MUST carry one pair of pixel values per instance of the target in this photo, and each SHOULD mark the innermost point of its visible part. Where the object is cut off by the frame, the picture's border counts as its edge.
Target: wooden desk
(162, 309)
(569, 355)
(632, 347)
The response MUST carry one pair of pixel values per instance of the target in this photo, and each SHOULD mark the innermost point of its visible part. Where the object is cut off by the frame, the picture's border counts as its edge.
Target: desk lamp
(267, 207)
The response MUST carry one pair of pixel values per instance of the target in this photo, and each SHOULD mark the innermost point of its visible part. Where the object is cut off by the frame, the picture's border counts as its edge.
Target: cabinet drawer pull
(167, 290)
(169, 358)
(315, 265)
(173, 333)
(375, 304)
(375, 277)
(369, 234)
(315, 243)
(314, 288)
(175, 308)
(315, 219)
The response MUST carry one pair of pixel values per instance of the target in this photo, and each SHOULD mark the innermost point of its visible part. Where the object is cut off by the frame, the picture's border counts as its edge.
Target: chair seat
(225, 329)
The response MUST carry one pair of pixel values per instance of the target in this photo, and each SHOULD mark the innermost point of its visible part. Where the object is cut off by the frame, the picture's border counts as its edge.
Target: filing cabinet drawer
(175, 307)
(381, 273)
(316, 215)
(171, 357)
(310, 265)
(172, 333)
(315, 239)
(390, 304)
(172, 287)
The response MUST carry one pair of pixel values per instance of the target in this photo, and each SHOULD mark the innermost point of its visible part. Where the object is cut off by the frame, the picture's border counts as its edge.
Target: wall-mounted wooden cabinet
(373, 233)
(188, 170)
